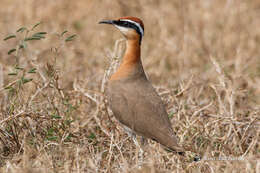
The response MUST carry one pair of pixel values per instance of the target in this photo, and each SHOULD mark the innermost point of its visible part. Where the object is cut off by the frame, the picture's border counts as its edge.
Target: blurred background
(180, 36)
(196, 53)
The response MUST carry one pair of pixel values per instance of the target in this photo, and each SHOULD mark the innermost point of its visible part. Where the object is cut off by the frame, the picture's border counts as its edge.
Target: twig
(1, 76)
(198, 111)
(10, 84)
(37, 92)
(99, 123)
(11, 117)
(186, 88)
(87, 95)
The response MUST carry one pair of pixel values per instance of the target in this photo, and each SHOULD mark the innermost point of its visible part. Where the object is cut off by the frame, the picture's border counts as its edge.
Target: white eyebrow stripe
(137, 24)
(123, 29)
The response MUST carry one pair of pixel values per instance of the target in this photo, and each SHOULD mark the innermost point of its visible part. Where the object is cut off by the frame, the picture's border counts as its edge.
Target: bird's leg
(141, 153)
(137, 143)
(143, 141)
(132, 134)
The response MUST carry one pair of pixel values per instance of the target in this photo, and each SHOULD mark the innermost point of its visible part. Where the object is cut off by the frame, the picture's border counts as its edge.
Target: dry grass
(202, 56)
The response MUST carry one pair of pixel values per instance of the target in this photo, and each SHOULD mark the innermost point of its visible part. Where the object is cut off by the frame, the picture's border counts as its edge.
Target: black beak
(106, 22)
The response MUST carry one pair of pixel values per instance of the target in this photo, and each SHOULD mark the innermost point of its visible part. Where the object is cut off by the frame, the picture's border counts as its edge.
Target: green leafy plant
(56, 120)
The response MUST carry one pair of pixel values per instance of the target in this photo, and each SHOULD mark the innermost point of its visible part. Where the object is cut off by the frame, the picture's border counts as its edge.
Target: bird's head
(130, 27)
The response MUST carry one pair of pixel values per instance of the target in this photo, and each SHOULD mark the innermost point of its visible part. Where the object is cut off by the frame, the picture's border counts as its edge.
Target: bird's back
(136, 104)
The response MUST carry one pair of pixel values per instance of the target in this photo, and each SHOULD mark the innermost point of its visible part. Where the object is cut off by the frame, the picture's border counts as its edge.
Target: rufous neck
(132, 53)
(131, 61)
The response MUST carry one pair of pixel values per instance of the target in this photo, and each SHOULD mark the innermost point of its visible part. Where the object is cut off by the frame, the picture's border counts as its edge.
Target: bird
(131, 96)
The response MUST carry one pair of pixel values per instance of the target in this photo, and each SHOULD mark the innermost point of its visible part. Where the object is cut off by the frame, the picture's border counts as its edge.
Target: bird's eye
(125, 23)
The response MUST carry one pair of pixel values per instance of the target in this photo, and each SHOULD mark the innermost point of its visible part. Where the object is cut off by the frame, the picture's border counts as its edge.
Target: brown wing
(137, 105)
